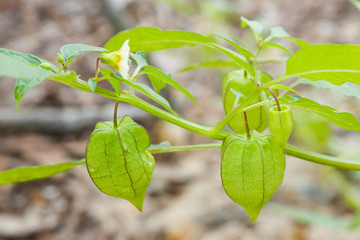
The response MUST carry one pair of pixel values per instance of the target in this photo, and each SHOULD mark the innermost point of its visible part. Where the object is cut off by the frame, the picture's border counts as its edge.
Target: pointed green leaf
(140, 58)
(334, 63)
(251, 171)
(149, 39)
(346, 89)
(279, 86)
(118, 161)
(240, 48)
(255, 26)
(115, 83)
(342, 119)
(92, 84)
(147, 91)
(279, 32)
(24, 174)
(72, 50)
(150, 70)
(210, 64)
(275, 45)
(235, 57)
(156, 82)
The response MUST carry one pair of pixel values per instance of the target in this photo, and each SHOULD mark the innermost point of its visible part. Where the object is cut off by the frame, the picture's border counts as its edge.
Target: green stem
(159, 113)
(247, 127)
(321, 158)
(115, 114)
(276, 100)
(184, 148)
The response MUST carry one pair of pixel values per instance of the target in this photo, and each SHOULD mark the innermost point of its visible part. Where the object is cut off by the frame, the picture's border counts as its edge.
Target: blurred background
(185, 199)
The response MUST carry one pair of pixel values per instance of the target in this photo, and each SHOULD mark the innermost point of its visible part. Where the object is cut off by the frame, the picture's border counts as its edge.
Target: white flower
(119, 59)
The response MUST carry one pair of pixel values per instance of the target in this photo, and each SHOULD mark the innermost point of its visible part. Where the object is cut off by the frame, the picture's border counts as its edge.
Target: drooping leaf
(342, 119)
(20, 66)
(155, 72)
(72, 50)
(118, 161)
(23, 174)
(240, 48)
(149, 39)
(346, 89)
(255, 26)
(147, 91)
(251, 171)
(210, 64)
(334, 63)
(275, 45)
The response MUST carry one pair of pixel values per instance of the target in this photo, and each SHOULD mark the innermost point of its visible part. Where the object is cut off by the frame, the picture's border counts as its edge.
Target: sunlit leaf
(155, 72)
(334, 63)
(147, 91)
(72, 50)
(240, 48)
(346, 89)
(275, 45)
(23, 174)
(210, 64)
(255, 26)
(149, 39)
(342, 119)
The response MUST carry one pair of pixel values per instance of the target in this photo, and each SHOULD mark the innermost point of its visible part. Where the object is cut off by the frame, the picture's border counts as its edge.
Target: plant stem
(184, 148)
(276, 100)
(247, 127)
(97, 69)
(115, 114)
(321, 158)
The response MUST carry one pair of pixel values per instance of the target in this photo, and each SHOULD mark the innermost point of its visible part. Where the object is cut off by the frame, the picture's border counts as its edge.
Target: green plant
(118, 154)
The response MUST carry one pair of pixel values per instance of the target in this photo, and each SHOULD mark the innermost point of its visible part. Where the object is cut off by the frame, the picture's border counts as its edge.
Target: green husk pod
(118, 161)
(251, 170)
(281, 123)
(237, 82)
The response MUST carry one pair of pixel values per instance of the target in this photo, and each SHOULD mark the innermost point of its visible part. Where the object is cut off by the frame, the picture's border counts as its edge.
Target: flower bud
(60, 58)
(281, 123)
(46, 66)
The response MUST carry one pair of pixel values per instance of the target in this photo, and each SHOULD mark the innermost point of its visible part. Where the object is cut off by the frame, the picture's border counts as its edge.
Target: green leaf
(149, 39)
(147, 91)
(240, 48)
(342, 119)
(17, 65)
(23, 174)
(118, 161)
(251, 171)
(92, 84)
(267, 44)
(157, 73)
(72, 50)
(279, 32)
(210, 64)
(346, 89)
(140, 58)
(255, 26)
(235, 57)
(336, 64)
(156, 82)
(113, 81)
(279, 86)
